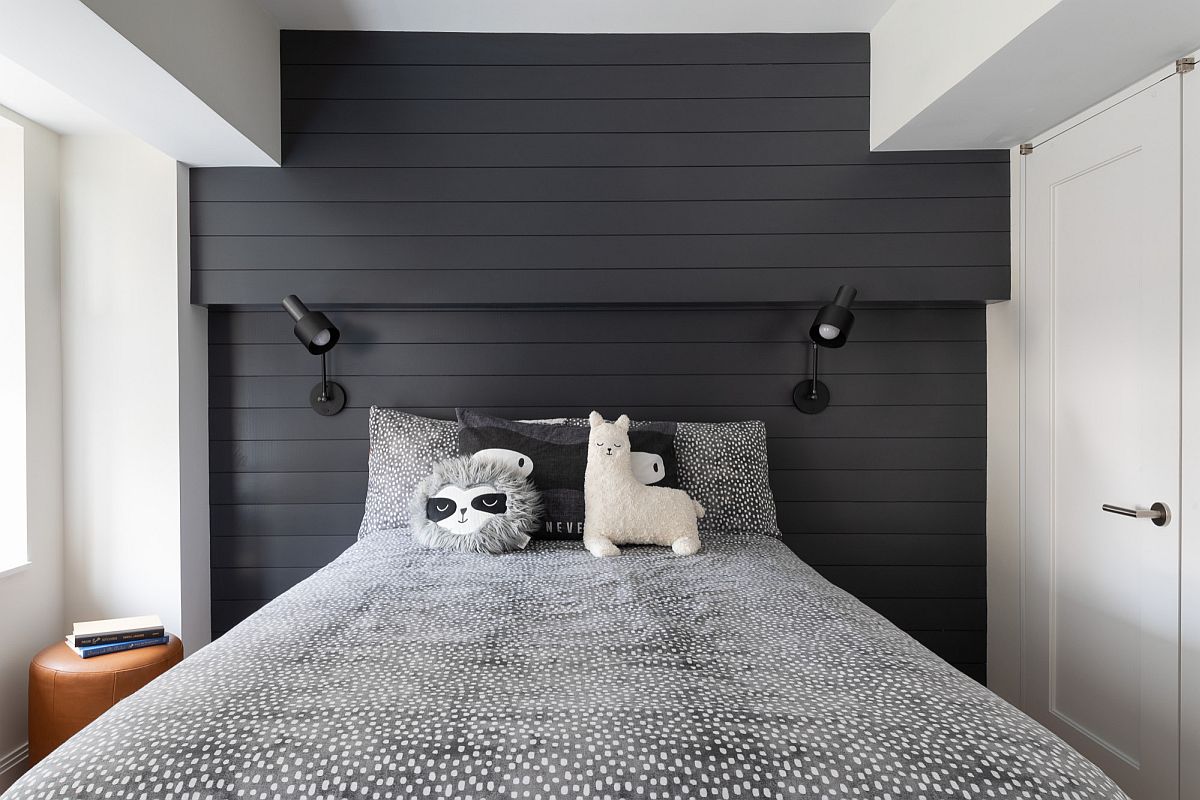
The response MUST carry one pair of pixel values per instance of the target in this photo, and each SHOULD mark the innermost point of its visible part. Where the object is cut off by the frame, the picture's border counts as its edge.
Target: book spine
(105, 649)
(116, 638)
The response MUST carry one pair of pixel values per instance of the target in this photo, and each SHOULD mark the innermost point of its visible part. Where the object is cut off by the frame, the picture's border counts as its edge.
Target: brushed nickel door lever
(1158, 513)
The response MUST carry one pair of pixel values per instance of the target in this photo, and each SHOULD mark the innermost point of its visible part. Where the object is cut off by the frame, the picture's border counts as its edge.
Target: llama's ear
(622, 422)
(595, 419)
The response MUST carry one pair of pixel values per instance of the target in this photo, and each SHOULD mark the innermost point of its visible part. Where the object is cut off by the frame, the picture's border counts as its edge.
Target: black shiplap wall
(468, 169)
(434, 181)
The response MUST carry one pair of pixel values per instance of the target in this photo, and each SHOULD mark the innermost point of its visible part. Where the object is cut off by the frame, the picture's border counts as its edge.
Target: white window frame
(14, 517)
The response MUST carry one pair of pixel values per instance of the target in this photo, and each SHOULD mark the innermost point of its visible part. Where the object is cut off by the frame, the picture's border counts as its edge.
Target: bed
(402, 672)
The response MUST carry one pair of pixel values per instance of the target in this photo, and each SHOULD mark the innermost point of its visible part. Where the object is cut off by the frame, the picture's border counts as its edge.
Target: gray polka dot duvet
(403, 672)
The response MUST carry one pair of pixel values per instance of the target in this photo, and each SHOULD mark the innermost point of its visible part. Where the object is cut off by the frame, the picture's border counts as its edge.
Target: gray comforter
(402, 672)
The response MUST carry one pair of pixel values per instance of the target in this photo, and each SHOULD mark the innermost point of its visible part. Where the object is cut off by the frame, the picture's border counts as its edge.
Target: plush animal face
(462, 511)
(475, 506)
(609, 441)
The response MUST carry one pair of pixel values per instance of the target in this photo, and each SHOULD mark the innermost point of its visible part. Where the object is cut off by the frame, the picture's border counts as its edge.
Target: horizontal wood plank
(954, 646)
(255, 583)
(933, 614)
(295, 519)
(896, 549)
(711, 149)
(609, 218)
(877, 453)
(340, 519)
(942, 518)
(277, 551)
(664, 325)
(615, 184)
(598, 389)
(639, 115)
(396, 47)
(871, 486)
(908, 581)
(816, 549)
(813, 453)
(974, 671)
(515, 288)
(597, 359)
(570, 81)
(825, 251)
(909, 422)
(228, 613)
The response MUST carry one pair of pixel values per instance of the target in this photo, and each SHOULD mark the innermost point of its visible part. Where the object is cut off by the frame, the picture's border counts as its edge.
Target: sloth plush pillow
(475, 506)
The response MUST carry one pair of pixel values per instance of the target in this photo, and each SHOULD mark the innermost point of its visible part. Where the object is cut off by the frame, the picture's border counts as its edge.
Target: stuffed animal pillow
(475, 505)
(620, 509)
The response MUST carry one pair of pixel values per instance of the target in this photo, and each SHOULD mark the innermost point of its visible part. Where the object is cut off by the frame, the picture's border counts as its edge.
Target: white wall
(920, 49)
(949, 75)
(194, 578)
(1004, 555)
(225, 51)
(129, 400)
(35, 592)
(12, 290)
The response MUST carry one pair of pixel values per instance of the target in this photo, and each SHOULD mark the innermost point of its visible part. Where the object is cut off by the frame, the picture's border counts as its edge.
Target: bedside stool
(67, 692)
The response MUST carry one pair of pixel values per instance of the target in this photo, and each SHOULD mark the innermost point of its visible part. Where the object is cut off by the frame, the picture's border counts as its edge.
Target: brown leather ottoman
(67, 692)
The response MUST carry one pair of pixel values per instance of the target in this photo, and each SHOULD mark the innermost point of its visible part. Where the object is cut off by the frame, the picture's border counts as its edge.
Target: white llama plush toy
(620, 509)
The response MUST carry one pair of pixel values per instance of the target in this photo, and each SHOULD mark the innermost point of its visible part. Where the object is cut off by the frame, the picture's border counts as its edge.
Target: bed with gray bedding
(402, 672)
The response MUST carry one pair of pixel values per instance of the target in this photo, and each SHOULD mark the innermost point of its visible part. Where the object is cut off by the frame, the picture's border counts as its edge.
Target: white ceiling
(580, 16)
(29, 95)
(63, 66)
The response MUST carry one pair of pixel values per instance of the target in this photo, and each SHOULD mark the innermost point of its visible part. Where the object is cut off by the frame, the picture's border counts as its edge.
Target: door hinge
(1184, 65)
(1026, 148)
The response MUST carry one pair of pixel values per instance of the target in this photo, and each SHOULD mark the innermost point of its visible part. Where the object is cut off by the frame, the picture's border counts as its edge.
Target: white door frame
(1005, 434)
(1189, 556)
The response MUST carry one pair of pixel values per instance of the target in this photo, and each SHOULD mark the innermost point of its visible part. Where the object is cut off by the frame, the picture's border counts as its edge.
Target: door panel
(1189, 599)
(1102, 416)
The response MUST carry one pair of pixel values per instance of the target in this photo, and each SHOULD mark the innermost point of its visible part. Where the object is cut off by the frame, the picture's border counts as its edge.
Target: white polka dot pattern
(724, 467)
(404, 448)
(398, 672)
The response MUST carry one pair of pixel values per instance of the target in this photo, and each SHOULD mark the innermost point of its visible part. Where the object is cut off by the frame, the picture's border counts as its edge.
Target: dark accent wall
(539, 225)
(469, 169)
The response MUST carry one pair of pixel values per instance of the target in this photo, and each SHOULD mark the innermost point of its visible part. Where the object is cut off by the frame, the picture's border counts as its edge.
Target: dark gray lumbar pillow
(475, 505)
(554, 455)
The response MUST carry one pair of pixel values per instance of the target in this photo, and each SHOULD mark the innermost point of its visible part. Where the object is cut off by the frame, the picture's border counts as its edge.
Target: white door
(1102, 422)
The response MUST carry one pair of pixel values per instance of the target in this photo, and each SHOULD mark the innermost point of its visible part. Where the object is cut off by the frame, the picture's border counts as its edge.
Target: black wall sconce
(319, 335)
(829, 329)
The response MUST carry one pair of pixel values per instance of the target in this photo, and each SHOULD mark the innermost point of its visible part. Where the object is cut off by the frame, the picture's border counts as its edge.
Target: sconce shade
(833, 322)
(313, 329)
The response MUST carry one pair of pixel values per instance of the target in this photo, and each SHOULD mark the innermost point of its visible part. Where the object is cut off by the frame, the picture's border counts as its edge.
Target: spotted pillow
(404, 448)
(723, 465)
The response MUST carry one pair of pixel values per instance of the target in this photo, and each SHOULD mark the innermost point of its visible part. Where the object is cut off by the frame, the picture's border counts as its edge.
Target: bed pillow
(475, 506)
(554, 456)
(404, 448)
(723, 465)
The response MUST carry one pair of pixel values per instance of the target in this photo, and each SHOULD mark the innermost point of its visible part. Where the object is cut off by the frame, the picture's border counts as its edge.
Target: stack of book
(103, 636)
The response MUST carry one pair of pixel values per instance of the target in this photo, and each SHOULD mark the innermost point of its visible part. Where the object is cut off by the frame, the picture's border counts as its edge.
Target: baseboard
(13, 766)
